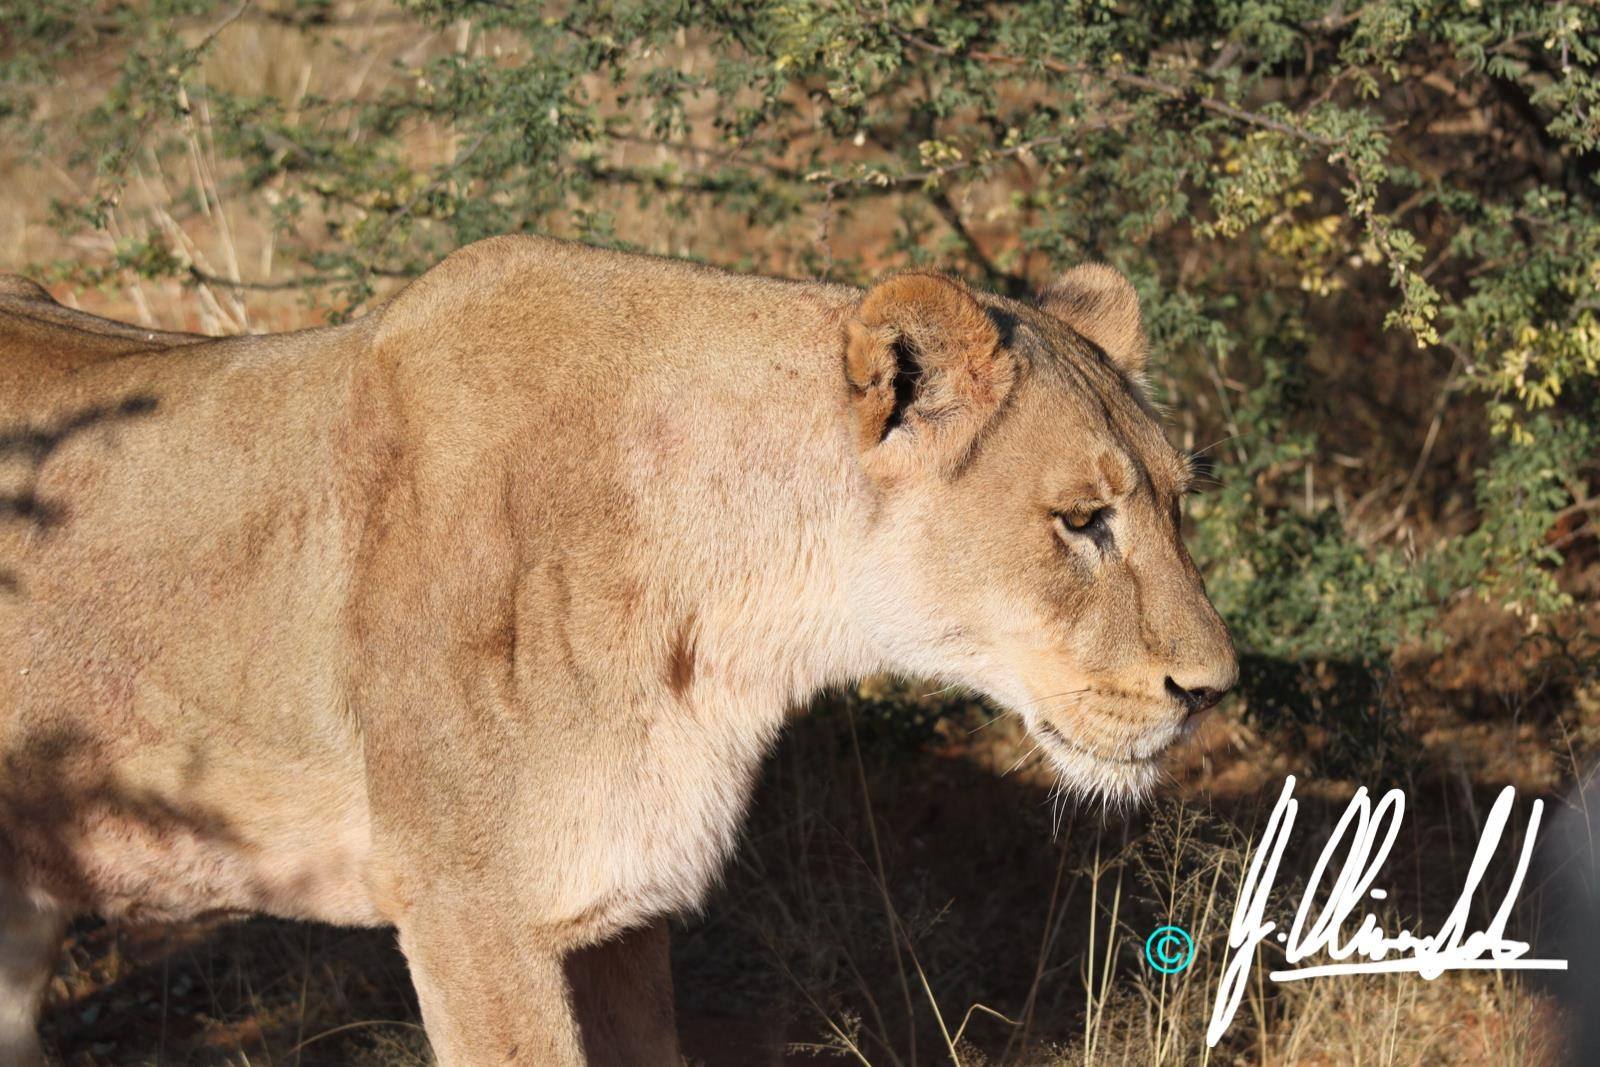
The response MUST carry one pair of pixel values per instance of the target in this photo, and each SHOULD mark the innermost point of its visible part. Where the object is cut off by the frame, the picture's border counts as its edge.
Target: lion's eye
(1091, 522)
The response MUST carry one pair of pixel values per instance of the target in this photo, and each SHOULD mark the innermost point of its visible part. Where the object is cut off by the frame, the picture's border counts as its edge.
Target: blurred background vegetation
(1367, 240)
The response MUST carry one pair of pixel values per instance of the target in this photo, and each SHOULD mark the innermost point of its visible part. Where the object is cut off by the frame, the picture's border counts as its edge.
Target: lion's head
(1028, 542)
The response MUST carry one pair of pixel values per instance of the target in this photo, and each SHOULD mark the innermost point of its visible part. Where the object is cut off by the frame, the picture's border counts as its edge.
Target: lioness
(476, 615)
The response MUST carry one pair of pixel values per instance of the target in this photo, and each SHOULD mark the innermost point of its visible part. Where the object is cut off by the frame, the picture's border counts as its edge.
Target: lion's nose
(1194, 701)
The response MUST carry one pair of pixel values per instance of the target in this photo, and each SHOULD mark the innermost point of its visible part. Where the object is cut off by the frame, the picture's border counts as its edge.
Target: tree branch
(1134, 81)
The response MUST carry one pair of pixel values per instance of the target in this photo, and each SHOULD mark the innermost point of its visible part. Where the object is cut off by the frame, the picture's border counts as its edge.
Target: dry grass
(887, 907)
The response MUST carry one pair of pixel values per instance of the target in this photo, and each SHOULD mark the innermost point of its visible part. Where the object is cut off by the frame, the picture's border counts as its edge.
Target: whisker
(1219, 441)
(1022, 759)
(1064, 706)
(986, 725)
(1052, 696)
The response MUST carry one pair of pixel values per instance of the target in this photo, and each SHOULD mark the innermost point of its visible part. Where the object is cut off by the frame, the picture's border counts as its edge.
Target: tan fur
(961, 375)
(1099, 303)
(477, 615)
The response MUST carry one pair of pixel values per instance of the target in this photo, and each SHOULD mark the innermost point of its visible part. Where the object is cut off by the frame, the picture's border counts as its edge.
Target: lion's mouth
(1055, 737)
(1116, 777)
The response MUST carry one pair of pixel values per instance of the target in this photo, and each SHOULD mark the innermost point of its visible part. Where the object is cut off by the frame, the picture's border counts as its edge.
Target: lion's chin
(1119, 781)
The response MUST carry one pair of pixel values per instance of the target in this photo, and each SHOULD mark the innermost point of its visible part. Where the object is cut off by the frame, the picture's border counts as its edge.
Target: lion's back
(40, 339)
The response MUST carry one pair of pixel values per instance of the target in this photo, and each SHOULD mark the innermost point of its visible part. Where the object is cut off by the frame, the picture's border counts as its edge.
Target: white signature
(1372, 831)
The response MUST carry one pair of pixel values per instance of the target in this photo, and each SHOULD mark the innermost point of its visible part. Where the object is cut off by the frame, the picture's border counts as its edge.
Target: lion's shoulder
(528, 287)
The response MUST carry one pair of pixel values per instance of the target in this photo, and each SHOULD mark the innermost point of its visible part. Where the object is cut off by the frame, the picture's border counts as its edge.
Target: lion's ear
(1100, 303)
(926, 372)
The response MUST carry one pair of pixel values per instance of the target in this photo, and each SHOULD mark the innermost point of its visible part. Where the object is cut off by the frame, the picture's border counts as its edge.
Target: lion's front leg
(622, 994)
(30, 939)
(488, 998)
